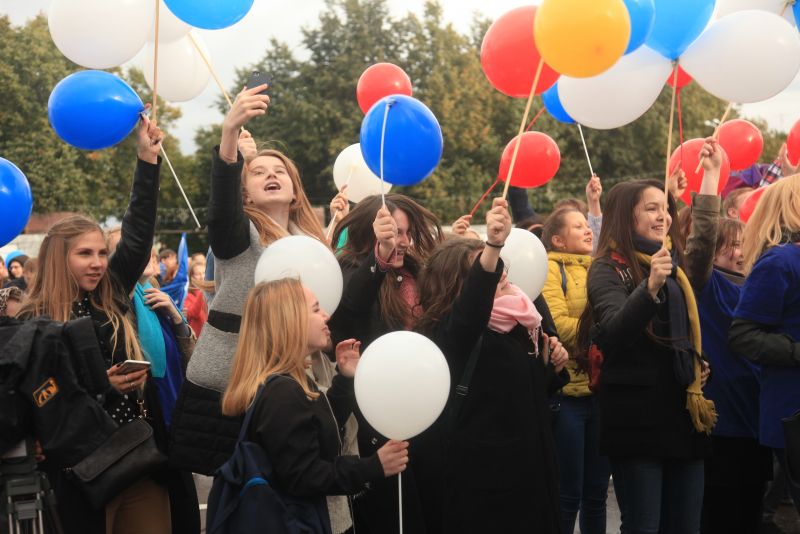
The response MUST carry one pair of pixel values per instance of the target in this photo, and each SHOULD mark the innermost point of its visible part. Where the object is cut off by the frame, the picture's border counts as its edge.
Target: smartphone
(259, 78)
(131, 366)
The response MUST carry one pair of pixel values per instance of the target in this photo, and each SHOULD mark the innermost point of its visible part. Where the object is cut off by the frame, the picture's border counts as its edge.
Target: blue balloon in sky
(16, 201)
(678, 23)
(209, 14)
(93, 109)
(413, 142)
(552, 103)
(643, 16)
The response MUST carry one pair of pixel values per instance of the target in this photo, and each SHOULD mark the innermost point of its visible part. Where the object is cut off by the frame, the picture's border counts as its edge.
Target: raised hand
(149, 138)
(498, 223)
(248, 104)
(678, 182)
(339, 206)
(159, 301)
(348, 354)
(660, 269)
(594, 189)
(787, 169)
(385, 229)
(461, 225)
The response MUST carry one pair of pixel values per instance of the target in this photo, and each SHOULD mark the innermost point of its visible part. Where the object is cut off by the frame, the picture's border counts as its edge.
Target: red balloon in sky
(793, 144)
(537, 161)
(683, 78)
(750, 203)
(691, 157)
(742, 142)
(509, 56)
(380, 80)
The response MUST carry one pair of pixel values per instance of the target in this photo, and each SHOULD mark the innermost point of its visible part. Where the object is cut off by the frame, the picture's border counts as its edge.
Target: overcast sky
(243, 44)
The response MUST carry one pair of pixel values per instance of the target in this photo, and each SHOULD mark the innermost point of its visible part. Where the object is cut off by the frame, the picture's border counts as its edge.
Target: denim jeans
(583, 471)
(659, 496)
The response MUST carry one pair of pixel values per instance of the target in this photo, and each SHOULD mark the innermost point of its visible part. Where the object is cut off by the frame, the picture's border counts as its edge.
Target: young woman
(194, 307)
(576, 421)
(643, 316)
(256, 198)
(385, 249)
(16, 267)
(499, 472)
(294, 422)
(78, 279)
(766, 324)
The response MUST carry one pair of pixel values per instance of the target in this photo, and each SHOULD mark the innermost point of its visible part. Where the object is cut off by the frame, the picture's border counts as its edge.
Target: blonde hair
(273, 340)
(777, 213)
(55, 288)
(300, 211)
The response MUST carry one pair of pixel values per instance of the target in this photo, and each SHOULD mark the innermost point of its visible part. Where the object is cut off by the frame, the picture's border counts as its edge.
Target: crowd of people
(660, 355)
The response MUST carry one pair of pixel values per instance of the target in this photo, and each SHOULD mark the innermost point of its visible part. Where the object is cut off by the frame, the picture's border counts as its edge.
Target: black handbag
(791, 431)
(128, 455)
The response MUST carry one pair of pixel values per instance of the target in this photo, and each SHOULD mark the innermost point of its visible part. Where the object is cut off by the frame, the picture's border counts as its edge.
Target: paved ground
(786, 519)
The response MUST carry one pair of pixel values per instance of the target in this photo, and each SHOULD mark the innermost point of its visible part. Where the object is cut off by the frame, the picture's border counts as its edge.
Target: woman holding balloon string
(499, 458)
(296, 423)
(77, 278)
(766, 322)
(256, 198)
(386, 246)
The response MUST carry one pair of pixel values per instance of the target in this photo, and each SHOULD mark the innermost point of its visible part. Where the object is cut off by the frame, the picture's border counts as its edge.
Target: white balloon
(100, 34)
(618, 96)
(526, 259)
(351, 169)
(402, 384)
(182, 73)
(726, 7)
(745, 57)
(170, 27)
(303, 257)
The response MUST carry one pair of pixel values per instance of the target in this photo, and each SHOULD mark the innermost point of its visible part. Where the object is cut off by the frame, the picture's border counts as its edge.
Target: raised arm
(139, 222)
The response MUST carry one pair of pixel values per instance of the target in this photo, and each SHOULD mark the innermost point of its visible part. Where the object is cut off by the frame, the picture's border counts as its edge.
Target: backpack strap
(249, 413)
(623, 270)
(563, 278)
(462, 389)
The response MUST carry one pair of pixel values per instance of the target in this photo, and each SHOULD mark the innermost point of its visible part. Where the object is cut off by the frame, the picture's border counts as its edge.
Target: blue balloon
(643, 16)
(209, 14)
(552, 103)
(678, 23)
(413, 142)
(93, 109)
(16, 201)
(796, 10)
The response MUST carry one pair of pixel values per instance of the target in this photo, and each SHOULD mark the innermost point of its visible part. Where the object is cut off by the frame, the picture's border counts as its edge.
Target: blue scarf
(150, 335)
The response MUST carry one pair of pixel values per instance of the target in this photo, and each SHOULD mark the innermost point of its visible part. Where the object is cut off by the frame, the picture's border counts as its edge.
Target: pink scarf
(509, 310)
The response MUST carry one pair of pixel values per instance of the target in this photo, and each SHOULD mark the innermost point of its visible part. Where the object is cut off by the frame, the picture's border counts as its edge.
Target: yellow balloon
(582, 38)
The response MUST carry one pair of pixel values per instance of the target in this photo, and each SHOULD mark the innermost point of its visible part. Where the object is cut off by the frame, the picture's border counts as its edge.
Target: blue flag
(179, 285)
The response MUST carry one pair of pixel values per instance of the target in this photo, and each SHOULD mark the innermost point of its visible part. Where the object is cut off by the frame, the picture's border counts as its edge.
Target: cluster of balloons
(102, 34)
(16, 201)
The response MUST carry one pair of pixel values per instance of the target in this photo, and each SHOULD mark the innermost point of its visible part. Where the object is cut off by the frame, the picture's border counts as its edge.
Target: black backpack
(244, 501)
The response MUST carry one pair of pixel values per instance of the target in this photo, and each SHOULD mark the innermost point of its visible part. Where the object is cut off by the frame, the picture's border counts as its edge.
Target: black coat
(642, 406)
(358, 316)
(499, 466)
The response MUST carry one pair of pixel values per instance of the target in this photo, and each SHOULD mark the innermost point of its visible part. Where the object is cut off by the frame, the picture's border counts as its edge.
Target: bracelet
(501, 245)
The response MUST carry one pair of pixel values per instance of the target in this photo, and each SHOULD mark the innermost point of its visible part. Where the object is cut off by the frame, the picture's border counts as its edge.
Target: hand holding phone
(259, 78)
(131, 366)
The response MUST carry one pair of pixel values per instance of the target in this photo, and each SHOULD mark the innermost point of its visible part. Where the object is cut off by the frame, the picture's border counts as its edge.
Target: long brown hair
(273, 340)
(423, 229)
(300, 211)
(55, 289)
(777, 215)
(441, 280)
(616, 236)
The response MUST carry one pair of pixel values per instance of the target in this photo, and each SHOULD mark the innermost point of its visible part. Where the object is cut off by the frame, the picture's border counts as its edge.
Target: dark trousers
(658, 496)
(794, 489)
(583, 471)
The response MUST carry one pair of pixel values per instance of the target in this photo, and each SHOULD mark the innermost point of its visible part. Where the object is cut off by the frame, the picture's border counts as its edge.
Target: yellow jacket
(566, 297)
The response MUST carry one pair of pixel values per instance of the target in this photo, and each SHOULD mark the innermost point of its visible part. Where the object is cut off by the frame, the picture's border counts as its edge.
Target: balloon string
(211, 70)
(786, 5)
(716, 133)
(400, 498)
(335, 213)
(383, 139)
(522, 127)
(166, 158)
(491, 187)
(680, 123)
(155, 65)
(535, 118)
(669, 138)
(585, 150)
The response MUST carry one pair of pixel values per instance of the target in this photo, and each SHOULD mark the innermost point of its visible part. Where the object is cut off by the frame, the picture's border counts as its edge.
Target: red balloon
(537, 162)
(691, 157)
(750, 203)
(509, 56)
(793, 144)
(380, 80)
(742, 142)
(683, 78)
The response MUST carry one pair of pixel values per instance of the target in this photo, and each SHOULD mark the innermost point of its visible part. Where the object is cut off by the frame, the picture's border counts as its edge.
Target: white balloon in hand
(526, 259)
